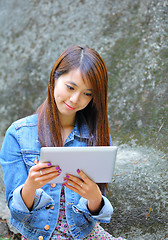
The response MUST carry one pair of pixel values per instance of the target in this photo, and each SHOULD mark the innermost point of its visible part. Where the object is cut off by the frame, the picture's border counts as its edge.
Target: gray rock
(4, 229)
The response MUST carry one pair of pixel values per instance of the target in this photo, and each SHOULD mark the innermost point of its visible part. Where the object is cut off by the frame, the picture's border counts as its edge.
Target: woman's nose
(75, 97)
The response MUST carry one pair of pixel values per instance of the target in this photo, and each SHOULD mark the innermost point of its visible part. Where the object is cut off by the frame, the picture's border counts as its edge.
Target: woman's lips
(69, 107)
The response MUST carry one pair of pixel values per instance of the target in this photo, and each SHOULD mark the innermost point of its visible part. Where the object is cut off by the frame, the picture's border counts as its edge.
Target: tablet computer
(96, 162)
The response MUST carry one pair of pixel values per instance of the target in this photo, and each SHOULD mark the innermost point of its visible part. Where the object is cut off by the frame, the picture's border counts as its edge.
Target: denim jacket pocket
(79, 218)
(30, 158)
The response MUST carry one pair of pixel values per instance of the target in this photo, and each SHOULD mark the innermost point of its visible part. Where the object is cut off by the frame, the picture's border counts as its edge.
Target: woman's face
(71, 93)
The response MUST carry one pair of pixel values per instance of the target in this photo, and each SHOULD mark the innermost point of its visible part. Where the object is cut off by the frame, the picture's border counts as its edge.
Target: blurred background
(131, 36)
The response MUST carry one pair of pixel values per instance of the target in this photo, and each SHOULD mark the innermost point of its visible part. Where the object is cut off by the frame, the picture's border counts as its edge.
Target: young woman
(74, 114)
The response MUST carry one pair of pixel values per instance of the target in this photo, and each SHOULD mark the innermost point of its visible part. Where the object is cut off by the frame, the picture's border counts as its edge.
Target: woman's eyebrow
(72, 83)
(77, 85)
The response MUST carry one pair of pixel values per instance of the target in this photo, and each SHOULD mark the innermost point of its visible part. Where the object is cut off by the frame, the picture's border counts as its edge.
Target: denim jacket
(19, 152)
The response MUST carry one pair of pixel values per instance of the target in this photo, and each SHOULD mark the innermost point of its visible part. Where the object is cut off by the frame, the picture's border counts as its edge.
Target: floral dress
(61, 231)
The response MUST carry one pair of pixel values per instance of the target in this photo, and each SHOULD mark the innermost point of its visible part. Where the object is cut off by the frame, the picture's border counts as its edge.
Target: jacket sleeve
(104, 214)
(15, 174)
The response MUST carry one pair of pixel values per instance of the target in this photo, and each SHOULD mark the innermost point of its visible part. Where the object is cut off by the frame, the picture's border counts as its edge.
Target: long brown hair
(94, 70)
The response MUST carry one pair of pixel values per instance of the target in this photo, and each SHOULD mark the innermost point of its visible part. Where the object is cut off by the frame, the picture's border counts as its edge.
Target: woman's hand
(86, 188)
(38, 176)
(41, 174)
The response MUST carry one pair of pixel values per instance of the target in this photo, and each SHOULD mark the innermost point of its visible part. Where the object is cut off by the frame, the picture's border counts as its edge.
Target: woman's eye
(88, 94)
(69, 87)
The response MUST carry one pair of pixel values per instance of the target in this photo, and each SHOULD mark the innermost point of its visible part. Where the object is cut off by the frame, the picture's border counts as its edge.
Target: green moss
(4, 238)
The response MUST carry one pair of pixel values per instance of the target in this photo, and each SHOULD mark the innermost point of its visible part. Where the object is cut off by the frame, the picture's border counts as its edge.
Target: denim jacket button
(47, 227)
(53, 185)
(36, 161)
(40, 238)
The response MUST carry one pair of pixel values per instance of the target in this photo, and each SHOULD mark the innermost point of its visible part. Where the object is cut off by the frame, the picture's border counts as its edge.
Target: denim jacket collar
(81, 134)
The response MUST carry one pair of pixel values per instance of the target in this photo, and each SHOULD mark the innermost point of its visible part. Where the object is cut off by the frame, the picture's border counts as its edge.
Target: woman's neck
(67, 122)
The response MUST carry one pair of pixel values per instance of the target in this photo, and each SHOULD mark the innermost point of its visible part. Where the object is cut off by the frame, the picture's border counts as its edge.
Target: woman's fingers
(39, 172)
(47, 177)
(84, 186)
(42, 173)
(41, 165)
(75, 182)
(78, 181)
(84, 177)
